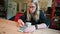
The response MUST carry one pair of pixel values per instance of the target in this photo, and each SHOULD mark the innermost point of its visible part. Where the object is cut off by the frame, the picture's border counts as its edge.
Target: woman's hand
(20, 23)
(42, 26)
(29, 29)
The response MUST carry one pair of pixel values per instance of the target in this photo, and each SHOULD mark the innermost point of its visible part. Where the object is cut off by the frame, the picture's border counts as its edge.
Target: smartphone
(22, 29)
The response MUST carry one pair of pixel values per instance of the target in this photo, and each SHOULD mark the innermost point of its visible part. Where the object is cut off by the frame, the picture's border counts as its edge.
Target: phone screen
(22, 28)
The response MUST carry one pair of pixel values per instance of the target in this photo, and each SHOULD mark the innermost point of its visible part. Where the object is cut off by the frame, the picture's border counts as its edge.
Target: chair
(18, 15)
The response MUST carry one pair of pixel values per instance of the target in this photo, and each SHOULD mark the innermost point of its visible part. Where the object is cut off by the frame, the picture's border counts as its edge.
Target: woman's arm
(44, 19)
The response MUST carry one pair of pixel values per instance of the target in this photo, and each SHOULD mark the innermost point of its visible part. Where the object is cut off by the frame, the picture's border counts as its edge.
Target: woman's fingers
(29, 29)
(21, 23)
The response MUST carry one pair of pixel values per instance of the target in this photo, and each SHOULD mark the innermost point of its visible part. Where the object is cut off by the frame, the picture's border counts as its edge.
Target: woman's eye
(32, 7)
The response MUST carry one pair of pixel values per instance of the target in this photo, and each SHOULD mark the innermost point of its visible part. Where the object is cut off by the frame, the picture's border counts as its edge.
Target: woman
(35, 16)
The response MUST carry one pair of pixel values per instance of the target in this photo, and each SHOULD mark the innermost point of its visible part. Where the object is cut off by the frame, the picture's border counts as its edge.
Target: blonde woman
(35, 16)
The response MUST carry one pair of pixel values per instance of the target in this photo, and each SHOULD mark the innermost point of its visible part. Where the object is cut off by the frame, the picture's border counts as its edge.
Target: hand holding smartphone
(23, 28)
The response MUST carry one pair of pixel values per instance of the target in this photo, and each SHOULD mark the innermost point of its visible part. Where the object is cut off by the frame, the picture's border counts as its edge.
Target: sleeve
(23, 18)
(44, 19)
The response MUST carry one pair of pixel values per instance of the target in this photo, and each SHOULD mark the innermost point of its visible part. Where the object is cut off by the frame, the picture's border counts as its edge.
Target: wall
(22, 6)
(42, 3)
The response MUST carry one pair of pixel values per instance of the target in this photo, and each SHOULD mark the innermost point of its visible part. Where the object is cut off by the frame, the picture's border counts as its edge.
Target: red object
(53, 11)
(18, 15)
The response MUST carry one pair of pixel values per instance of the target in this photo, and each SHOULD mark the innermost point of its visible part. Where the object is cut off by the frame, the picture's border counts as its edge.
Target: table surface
(9, 27)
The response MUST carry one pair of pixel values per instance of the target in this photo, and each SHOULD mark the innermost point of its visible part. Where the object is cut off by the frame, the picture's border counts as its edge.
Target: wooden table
(9, 27)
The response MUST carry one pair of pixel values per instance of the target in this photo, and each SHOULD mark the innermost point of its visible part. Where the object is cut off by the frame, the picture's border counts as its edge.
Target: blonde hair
(35, 15)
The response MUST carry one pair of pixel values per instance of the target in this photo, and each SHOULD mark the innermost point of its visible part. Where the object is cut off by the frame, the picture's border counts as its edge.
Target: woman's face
(32, 7)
